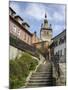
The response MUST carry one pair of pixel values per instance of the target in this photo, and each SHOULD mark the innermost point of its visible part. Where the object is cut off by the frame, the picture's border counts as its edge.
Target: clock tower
(46, 31)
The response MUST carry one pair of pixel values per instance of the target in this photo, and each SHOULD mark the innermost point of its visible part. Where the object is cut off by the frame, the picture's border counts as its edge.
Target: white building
(59, 47)
(60, 44)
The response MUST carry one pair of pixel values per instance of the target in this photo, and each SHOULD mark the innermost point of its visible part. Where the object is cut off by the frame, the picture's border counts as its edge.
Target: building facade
(20, 36)
(59, 56)
(35, 39)
(19, 30)
(60, 44)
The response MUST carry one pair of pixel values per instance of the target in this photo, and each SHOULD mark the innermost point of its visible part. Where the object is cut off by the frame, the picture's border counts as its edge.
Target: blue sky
(34, 14)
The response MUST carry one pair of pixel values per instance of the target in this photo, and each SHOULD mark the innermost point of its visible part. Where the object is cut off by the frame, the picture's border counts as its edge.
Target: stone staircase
(42, 77)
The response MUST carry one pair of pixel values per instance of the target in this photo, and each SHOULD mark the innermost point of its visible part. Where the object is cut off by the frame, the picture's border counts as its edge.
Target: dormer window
(19, 19)
(25, 25)
(12, 12)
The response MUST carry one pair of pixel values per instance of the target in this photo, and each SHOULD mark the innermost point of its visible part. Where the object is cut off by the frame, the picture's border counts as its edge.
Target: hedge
(19, 70)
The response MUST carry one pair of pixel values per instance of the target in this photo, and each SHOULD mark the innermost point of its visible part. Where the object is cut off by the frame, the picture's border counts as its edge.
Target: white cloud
(36, 11)
(59, 15)
(57, 29)
(56, 14)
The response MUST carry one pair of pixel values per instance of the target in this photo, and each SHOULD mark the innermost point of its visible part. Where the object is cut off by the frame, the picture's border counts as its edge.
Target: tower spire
(45, 15)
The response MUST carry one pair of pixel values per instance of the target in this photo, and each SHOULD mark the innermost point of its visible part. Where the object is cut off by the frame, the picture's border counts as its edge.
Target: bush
(33, 64)
(15, 68)
(24, 67)
(26, 58)
(15, 73)
(19, 70)
(16, 82)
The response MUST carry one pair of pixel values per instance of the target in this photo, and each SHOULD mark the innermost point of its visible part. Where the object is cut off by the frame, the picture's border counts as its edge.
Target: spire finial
(50, 25)
(45, 15)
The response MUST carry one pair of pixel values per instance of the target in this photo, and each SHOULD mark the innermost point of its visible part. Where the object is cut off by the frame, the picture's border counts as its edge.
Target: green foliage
(15, 74)
(29, 61)
(14, 68)
(33, 64)
(20, 68)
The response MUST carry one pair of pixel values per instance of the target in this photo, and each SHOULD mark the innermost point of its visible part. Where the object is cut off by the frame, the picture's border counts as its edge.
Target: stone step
(42, 72)
(42, 75)
(39, 84)
(40, 78)
(41, 81)
(44, 66)
(44, 69)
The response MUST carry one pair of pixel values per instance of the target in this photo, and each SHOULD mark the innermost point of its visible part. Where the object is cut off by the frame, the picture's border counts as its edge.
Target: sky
(34, 14)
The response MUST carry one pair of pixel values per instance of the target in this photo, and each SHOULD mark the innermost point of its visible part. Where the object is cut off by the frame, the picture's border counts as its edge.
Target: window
(64, 38)
(60, 52)
(25, 36)
(56, 53)
(65, 51)
(19, 32)
(56, 43)
(14, 29)
(61, 40)
(28, 39)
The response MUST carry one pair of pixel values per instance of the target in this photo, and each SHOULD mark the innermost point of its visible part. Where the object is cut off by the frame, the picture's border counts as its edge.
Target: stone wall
(14, 52)
(61, 79)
